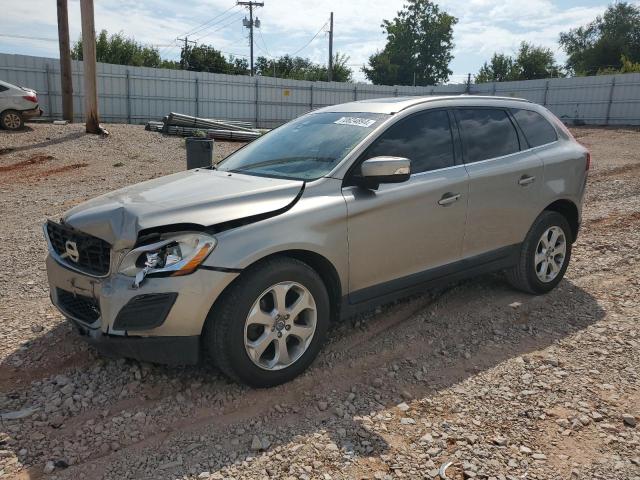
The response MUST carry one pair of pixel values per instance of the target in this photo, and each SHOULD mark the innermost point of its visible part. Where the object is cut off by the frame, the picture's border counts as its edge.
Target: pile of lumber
(186, 126)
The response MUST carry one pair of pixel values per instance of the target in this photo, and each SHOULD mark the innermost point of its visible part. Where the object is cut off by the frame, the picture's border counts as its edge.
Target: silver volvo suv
(246, 264)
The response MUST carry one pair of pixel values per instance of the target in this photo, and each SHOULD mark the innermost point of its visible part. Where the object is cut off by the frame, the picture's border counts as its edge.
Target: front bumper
(165, 350)
(101, 307)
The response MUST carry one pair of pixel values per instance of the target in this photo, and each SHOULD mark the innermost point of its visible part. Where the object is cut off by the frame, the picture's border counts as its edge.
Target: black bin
(199, 152)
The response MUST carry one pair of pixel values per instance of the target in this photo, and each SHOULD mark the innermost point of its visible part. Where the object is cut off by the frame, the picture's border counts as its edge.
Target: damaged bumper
(159, 322)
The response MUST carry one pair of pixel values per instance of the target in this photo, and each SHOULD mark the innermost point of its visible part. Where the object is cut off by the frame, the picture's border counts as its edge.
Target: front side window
(535, 128)
(424, 138)
(486, 133)
(306, 148)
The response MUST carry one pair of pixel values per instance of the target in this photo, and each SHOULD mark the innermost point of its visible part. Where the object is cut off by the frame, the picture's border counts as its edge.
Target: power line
(219, 28)
(309, 42)
(199, 28)
(27, 37)
(266, 50)
(226, 17)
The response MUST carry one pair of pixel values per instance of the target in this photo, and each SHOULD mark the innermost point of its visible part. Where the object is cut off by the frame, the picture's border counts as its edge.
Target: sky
(300, 26)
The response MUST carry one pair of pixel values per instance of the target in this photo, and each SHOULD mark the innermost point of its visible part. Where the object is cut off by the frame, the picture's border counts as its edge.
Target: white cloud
(484, 26)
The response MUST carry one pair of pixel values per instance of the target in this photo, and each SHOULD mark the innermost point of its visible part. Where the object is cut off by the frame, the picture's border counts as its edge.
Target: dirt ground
(502, 384)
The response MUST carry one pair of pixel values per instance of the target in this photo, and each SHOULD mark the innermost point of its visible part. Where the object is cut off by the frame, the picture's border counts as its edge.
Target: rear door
(505, 179)
(400, 231)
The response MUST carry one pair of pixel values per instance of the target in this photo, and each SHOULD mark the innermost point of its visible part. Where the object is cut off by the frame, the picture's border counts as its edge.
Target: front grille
(85, 309)
(80, 250)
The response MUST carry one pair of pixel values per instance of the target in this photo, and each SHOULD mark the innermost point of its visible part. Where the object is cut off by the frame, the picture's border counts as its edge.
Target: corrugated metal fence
(138, 94)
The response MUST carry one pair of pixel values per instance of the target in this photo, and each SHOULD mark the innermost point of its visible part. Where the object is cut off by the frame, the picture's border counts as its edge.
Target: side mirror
(377, 170)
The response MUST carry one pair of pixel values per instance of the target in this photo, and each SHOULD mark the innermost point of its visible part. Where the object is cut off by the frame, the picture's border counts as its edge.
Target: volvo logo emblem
(71, 251)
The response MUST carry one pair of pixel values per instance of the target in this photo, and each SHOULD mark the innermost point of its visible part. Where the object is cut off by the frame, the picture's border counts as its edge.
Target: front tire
(544, 255)
(11, 120)
(269, 326)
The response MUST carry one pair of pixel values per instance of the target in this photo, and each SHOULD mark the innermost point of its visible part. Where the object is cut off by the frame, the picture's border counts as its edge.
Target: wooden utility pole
(330, 69)
(250, 24)
(66, 82)
(185, 51)
(89, 62)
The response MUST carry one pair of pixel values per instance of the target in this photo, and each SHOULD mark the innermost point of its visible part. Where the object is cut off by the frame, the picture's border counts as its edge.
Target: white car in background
(16, 104)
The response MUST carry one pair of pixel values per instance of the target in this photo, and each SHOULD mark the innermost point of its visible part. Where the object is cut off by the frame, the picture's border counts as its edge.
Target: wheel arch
(568, 210)
(319, 263)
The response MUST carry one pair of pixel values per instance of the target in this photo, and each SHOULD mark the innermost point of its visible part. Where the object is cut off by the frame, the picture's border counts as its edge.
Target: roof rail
(465, 96)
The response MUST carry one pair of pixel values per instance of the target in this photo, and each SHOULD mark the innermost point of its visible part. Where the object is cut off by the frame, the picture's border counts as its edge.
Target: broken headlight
(174, 255)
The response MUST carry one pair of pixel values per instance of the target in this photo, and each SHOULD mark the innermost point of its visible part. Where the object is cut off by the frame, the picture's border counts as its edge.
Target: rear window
(535, 128)
(486, 133)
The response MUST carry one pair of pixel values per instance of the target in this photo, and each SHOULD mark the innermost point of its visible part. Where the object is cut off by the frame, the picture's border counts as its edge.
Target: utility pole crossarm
(250, 24)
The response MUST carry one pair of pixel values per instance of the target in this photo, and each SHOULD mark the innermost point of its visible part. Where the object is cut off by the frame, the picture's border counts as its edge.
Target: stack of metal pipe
(180, 120)
(187, 125)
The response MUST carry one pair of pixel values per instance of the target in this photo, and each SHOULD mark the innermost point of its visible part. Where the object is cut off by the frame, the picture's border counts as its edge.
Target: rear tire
(269, 326)
(544, 255)
(11, 120)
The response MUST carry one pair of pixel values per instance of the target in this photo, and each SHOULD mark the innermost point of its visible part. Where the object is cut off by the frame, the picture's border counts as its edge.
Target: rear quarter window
(537, 130)
(3, 88)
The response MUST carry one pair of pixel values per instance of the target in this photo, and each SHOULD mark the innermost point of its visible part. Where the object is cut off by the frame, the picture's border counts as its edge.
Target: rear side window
(3, 88)
(535, 128)
(486, 133)
(424, 138)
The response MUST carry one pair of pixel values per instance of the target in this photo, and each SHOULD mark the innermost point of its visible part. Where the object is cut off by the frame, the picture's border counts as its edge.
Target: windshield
(306, 148)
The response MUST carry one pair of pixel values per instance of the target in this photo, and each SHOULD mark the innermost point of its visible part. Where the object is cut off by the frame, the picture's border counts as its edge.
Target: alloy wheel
(551, 253)
(280, 325)
(12, 121)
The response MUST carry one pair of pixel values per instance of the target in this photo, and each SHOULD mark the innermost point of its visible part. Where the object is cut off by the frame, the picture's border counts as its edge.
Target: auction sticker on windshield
(358, 122)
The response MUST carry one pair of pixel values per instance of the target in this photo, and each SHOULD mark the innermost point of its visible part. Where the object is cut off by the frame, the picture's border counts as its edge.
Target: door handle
(526, 180)
(448, 198)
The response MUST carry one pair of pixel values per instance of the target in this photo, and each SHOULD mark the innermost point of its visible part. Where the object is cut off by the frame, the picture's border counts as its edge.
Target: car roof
(392, 105)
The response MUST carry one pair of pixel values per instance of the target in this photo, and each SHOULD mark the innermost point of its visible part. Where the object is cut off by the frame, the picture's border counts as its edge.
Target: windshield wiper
(280, 161)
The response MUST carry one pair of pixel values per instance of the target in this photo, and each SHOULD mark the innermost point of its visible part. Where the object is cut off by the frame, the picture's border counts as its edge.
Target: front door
(400, 231)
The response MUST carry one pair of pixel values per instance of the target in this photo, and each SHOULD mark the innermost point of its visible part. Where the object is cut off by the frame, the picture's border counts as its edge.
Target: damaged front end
(129, 266)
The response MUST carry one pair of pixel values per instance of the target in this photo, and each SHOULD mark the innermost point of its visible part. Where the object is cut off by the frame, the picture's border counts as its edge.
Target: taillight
(588, 161)
(32, 98)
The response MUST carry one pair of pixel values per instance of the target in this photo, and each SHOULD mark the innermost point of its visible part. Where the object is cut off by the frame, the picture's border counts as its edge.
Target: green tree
(601, 44)
(299, 68)
(122, 50)
(501, 68)
(203, 58)
(535, 62)
(206, 58)
(419, 47)
(531, 62)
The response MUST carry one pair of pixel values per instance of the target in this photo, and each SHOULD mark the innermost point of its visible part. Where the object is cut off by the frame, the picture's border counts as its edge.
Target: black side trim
(144, 312)
(370, 297)
(221, 269)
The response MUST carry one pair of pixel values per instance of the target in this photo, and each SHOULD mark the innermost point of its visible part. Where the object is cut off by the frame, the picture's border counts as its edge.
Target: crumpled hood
(202, 197)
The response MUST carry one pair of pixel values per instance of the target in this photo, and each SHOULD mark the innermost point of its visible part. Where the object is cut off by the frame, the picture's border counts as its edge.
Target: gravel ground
(502, 384)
